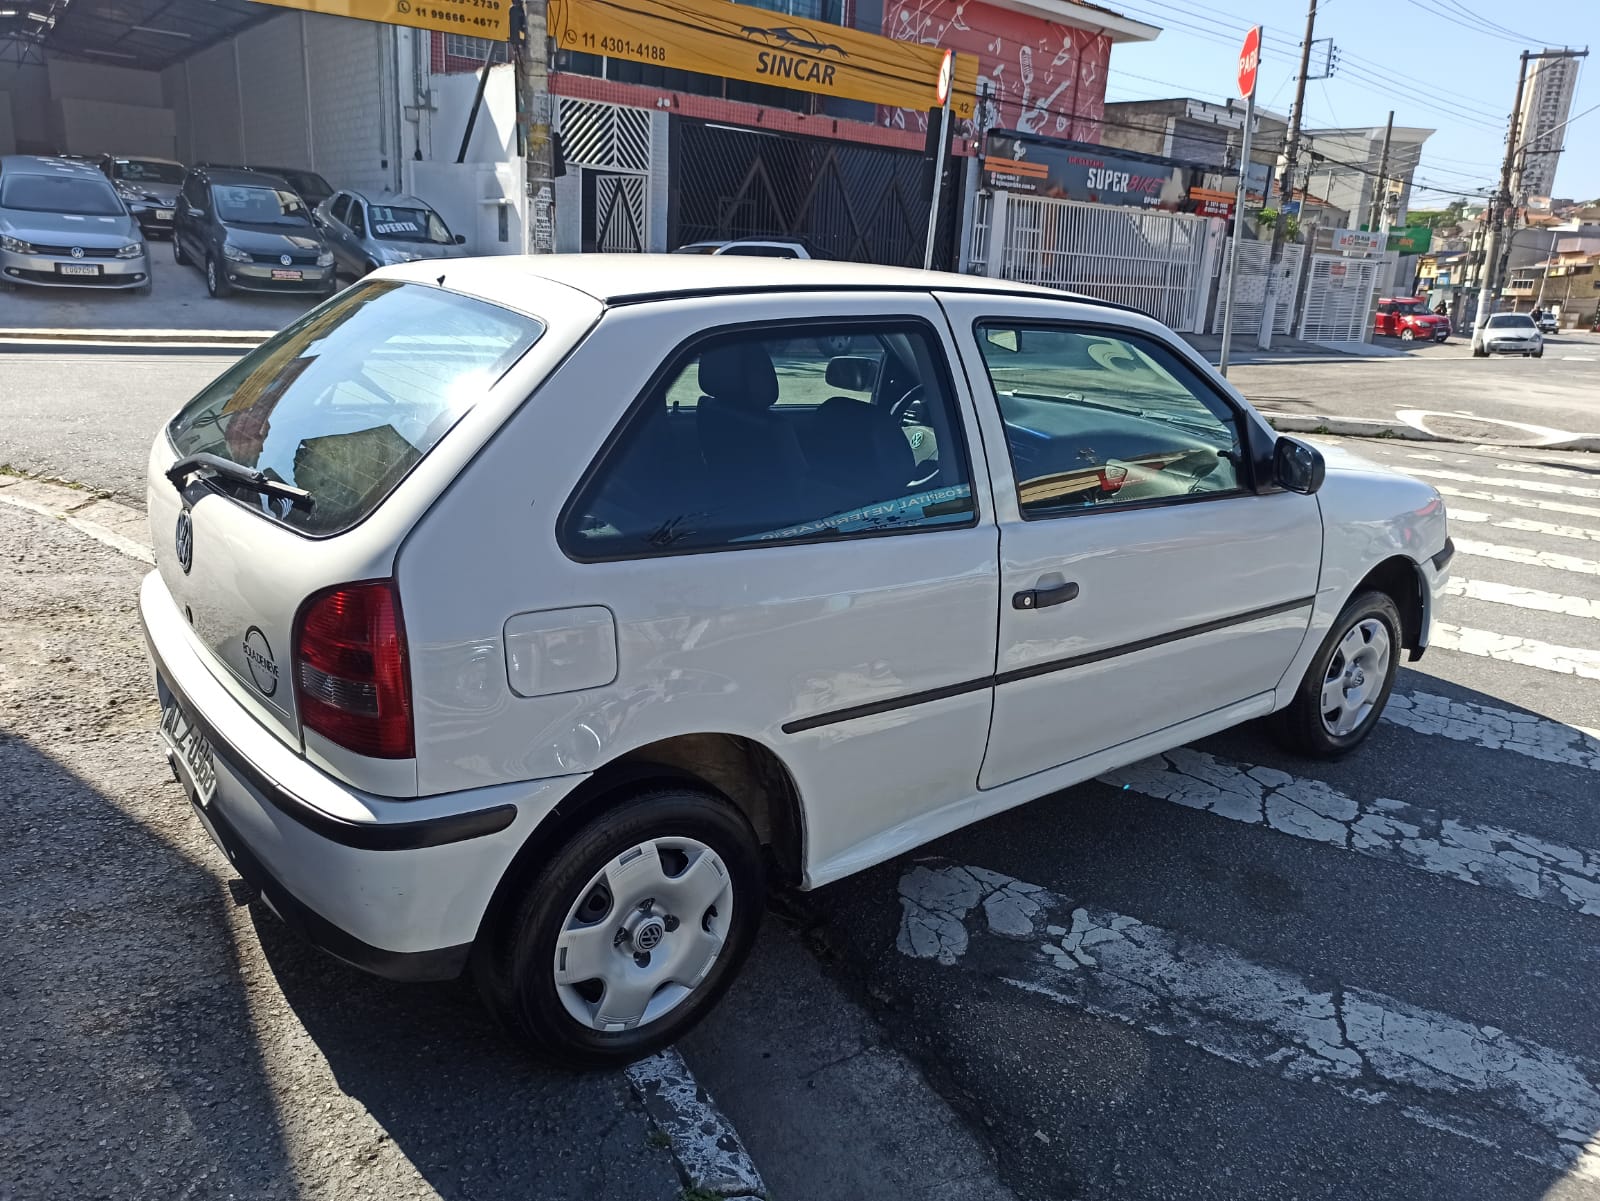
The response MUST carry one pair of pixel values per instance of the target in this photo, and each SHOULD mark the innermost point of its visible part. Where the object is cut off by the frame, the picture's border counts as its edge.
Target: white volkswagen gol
(532, 614)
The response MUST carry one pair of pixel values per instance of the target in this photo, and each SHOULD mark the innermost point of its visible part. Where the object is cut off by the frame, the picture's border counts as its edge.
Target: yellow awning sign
(716, 37)
(479, 18)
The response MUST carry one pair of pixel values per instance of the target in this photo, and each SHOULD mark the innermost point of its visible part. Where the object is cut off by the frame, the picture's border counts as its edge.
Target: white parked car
(760, 248)
(535, 617)
(1508, 333)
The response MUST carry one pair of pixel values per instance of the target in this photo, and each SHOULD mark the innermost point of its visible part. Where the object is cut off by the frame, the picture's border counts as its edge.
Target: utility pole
(533, 65)
(1380, 194)
(1280, 230)
(1503, 199)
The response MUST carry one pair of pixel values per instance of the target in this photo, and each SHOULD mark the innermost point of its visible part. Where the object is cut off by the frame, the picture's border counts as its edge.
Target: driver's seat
(859, 451)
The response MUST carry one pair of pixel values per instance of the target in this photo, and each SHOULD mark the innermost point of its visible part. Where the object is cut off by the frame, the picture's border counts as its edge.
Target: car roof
(403, 201)
(632, 278)
(241, 177)
(144, 158)
(45, 164)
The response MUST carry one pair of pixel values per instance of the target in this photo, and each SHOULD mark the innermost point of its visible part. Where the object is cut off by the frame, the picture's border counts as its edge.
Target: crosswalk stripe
(1393, 831)
(1494, 728)
(1529, 652)
(1522, 598)
(1548, 489)
(1475, 1081)
(1518, 502)
(1526, 557)
(1523, 525)
(1506, 464)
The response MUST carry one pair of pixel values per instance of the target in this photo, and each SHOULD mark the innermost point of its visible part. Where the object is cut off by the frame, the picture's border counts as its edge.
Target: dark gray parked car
(367, 234)
(250, 231)
(149, 187)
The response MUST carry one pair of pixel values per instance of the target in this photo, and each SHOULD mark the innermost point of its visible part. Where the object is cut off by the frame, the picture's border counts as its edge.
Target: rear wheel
(1345, 688)
(630, 932)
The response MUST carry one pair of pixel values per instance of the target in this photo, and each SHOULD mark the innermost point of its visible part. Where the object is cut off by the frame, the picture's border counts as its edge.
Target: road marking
(1495, 729)
(1474, 1081)
(1518, 502)
(116, 541)
(1529, 652)
(706, 1147)
(1522, 598)
(1522, 524)
(1542, 469)
(1526, 557)
(1392, 831)
(1540, 486)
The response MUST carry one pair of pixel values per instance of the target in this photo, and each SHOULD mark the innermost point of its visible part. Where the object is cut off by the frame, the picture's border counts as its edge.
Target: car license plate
(191, 751)
(163, 214)
(278, 273)
(78, 268)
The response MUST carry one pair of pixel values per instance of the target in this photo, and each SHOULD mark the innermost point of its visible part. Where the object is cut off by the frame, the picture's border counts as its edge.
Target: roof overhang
(1083, 16)
(148, 35)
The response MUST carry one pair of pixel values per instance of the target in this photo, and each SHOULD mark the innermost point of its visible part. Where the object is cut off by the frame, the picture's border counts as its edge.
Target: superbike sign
(1077, 171)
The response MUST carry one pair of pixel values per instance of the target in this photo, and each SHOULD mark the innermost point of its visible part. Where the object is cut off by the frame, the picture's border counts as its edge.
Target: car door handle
(1043, 598)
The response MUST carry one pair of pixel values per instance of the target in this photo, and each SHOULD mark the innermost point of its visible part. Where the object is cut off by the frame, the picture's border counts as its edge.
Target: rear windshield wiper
(237, 473)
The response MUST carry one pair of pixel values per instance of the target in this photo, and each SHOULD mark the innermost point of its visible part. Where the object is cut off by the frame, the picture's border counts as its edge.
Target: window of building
(461, 45)
(781, 435)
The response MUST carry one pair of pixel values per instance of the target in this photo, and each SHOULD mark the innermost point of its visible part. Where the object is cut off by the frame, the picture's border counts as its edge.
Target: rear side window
(778, 435)
(345, 401)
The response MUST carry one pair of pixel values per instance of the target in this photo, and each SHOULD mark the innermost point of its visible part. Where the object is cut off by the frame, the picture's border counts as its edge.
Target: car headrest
(739, 373)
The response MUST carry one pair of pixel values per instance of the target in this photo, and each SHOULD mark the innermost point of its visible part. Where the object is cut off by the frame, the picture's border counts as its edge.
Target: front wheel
(216, 283)
(1407, 335)
(177, 250)
(630, 932)
(1345, 688)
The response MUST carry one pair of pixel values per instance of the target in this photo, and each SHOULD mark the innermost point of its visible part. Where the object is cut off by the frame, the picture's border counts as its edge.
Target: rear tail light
(351, 674)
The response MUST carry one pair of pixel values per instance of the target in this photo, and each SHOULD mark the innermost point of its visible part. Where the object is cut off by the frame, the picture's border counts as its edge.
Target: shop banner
(735, 41)
(1081, 172)
(479, 18)
(1411, 239)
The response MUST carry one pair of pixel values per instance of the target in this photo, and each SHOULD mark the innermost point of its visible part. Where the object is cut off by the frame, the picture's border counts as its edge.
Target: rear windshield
(345, 402)
(68, 192)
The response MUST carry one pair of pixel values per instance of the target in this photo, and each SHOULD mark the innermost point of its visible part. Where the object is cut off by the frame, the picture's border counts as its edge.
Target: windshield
(1415, 308)
(345, 402)
(395, 224)
(139, 170)
(68, 193)
(1511, 321)
(260, 206)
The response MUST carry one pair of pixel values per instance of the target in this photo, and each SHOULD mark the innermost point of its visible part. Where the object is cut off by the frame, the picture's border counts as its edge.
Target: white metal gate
(1338, 304)
(1251, 298)
(1159, 263)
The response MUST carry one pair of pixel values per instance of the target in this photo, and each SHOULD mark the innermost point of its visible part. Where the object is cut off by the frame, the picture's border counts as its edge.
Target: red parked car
(1408, 318)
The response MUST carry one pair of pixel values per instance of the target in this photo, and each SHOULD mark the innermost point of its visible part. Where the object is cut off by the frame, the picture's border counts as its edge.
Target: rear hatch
(328, 417)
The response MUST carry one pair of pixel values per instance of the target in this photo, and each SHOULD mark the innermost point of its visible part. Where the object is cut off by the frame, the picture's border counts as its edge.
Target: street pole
(533, 63)
(938, 180)
(1497, 213)
(1380, 192)
(1238, 225)
(1280, 231)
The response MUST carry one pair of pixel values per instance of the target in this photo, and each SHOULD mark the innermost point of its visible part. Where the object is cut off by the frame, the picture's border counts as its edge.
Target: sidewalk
(1244, 350)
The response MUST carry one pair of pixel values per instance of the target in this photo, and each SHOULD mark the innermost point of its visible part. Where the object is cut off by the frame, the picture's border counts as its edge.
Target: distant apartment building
(1546, 102)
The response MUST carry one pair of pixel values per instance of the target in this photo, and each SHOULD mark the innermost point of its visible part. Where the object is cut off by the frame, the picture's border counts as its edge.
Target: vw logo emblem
(77, 252)
(183, 540)
(649, 934)
(285, 259)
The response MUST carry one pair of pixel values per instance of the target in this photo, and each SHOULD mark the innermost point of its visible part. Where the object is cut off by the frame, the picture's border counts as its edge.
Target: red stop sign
(1249, 61)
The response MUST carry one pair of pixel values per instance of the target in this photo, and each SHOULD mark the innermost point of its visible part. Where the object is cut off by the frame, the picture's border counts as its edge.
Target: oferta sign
(714, 37)
(480, 18)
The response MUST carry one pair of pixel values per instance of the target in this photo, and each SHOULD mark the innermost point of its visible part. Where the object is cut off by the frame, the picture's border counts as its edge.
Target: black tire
(216, 282)
(1300, 726)
(513, 963)
(177, 250)
(1538, 354)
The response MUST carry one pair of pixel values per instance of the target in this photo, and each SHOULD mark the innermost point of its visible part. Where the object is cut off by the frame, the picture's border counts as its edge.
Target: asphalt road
(1228, 973)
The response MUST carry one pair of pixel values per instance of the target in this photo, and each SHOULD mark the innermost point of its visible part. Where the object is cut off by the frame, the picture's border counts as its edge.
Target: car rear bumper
(397, 887)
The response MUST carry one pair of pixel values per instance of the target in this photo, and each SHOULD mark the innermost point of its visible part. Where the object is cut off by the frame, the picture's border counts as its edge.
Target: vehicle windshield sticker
(886, 515)
(396, 227)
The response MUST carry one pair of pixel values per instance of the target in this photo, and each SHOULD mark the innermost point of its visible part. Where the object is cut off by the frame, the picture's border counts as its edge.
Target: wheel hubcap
(643, 934)
(1355, 676)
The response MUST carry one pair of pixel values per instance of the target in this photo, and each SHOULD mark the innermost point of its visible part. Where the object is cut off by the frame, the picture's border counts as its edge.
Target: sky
(1447, 65)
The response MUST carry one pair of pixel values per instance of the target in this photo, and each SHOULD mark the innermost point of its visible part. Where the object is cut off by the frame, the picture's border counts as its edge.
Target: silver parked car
(149, 187)
(62, 224)
(366, 234)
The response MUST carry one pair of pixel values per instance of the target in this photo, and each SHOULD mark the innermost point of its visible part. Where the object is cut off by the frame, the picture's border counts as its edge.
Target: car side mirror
(1297, 466)
(461, 239)
(852, 372)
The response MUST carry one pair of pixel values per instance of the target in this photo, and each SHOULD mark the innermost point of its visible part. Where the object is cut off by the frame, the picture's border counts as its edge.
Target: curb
(706, 1149)
(1377, 427)
(118, 526)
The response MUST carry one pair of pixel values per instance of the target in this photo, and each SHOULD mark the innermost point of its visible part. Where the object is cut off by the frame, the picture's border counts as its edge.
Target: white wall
(212, 101)
(71, 79)
(272, 68)
(108, 126)
(494, 136)
(352, 103)
(8, 137)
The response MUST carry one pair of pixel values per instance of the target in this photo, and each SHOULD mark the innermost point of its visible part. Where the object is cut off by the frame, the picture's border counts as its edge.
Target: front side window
(1095, 419)
(358, 222)
(259, 206)
(345, 401)
(780, 435)
(341, 208)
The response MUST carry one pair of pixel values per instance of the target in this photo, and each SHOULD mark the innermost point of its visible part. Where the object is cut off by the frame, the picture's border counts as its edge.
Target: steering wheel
(908, 410)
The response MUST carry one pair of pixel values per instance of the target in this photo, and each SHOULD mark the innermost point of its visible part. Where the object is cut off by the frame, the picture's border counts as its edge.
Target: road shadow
(131, 1061)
